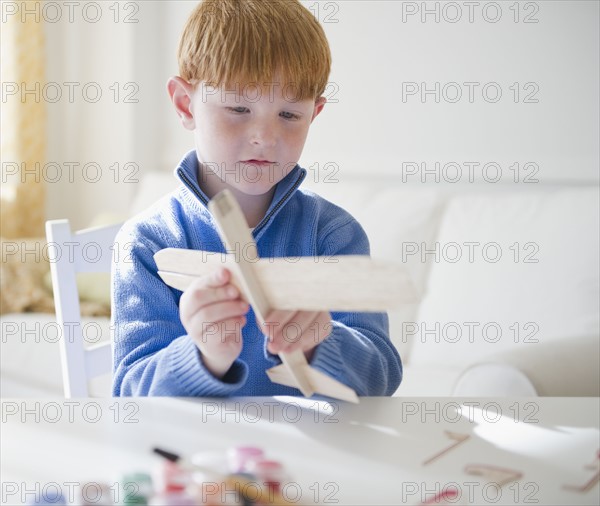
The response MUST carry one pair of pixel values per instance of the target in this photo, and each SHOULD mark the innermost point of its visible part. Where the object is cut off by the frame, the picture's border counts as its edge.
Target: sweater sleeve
(152, 355)
(358, 351)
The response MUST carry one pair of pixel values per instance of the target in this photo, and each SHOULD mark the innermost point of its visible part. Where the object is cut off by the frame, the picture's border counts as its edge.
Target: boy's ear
(181, 93)
(319, 104)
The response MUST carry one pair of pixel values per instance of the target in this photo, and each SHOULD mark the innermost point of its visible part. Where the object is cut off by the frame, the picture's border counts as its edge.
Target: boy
(252, 77)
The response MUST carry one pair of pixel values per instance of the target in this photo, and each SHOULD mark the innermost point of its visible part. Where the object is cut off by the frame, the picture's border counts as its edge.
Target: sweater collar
(187, 171)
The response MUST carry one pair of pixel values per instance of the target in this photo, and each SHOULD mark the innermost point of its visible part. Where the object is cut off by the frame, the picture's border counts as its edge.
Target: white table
(336, 453)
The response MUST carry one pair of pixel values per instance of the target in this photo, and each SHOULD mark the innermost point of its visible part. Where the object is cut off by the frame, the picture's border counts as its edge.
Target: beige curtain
(23, 125)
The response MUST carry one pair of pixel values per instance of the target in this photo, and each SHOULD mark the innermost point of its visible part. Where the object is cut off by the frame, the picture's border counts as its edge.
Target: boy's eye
(238, 110)
(289, 115)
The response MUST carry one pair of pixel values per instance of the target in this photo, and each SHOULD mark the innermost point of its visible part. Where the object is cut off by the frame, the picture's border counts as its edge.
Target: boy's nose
(263, 135)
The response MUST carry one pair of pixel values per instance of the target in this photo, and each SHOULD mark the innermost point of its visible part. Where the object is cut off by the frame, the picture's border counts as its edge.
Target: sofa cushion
(493, 380)
(544, 287)
(395, 219)
(428, 380)
(562, 368)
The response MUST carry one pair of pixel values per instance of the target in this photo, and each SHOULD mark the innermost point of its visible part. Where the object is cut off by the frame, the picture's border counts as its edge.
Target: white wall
(375, 52)
(370, 131)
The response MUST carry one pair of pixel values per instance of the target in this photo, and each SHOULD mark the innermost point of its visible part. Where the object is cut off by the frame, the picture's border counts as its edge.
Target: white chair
(88, 250)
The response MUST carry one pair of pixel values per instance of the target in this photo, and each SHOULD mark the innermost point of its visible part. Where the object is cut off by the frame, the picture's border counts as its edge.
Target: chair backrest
(89, 250)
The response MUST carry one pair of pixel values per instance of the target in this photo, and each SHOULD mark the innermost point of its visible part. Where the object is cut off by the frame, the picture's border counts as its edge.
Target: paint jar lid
(269, 472)
(266, 466)
(240, 457)
(172, 477)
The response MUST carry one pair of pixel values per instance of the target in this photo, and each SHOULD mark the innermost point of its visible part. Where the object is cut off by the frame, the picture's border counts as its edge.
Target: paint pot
(269, 473)
(240, 457)
(136, 488)
(48, 497)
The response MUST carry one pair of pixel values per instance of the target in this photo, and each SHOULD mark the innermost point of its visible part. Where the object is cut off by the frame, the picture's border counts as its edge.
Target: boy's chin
(255, 189)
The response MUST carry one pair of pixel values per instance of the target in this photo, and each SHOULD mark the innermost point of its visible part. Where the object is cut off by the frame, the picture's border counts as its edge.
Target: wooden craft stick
(340, 283)
(592, 482)
(499, 475)
(445, 497)
(456, 437)
(235, 233)
(298, 368)
(587, 486)
(326, 385)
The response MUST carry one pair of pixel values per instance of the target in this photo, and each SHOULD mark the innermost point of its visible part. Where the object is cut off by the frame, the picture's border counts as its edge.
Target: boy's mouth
(258, 162)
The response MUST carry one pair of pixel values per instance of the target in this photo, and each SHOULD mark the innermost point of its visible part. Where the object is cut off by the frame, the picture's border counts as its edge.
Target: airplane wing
(339, 283)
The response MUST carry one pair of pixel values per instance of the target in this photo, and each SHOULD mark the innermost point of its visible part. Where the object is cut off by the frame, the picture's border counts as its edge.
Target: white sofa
(523, 323)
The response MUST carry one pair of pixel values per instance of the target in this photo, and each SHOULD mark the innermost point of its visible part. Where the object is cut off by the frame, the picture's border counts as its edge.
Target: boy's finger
(289, 329)
(305, 331)
(213, 280)
(218, 278)
(273, 327)
(198, 297)
(278, 320)
(275, 319)
(218, 312)
(224, 310)
(212, 295)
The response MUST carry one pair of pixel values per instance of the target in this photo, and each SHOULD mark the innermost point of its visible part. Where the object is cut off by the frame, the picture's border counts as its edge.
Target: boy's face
(251, 138)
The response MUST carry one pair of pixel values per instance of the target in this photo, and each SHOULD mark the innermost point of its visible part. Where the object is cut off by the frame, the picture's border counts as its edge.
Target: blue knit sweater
(152, 353)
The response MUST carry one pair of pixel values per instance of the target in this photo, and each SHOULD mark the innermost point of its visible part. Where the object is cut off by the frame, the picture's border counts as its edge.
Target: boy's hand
(213, 314)
(296, 330)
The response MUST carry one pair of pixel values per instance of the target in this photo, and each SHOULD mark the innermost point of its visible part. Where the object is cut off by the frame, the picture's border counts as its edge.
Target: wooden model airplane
(337, 283)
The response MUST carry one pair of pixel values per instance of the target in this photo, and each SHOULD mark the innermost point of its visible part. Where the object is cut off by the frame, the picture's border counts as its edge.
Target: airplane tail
(317, 383)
